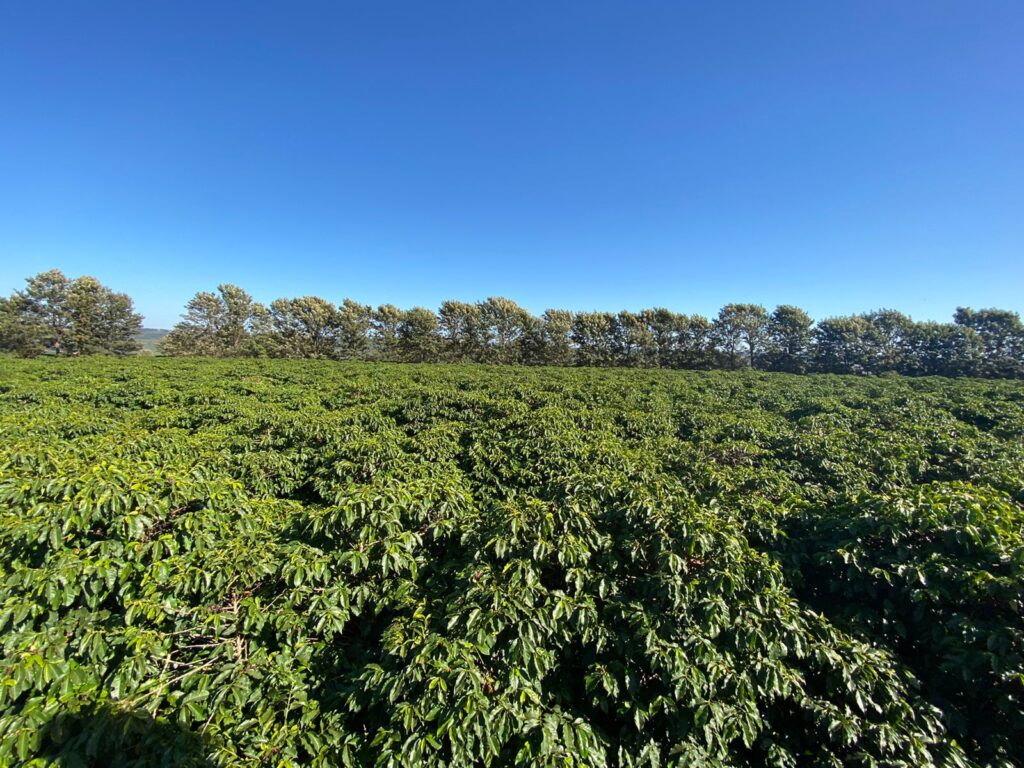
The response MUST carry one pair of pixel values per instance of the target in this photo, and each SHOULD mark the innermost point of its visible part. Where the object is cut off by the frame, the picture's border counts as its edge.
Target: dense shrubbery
(299, 563)
(935, 573)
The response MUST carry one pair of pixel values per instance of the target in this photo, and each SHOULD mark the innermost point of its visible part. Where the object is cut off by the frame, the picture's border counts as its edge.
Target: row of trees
(58, 315)
(987, 342)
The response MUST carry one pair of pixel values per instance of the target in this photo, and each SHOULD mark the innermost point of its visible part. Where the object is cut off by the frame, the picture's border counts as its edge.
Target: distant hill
(150, 337)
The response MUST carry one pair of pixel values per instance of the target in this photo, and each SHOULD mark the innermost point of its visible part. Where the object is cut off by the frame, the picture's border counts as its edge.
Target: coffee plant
(285, 563)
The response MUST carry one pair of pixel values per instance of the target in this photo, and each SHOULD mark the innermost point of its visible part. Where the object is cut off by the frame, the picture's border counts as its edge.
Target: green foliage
(788, 332)
(1001, 337)
(936, 574)
(741, 326)
(59, 316)
(986, 343)
(275, 562)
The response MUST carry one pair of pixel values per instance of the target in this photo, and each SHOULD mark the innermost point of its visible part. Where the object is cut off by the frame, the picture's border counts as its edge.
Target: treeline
(58, 315)
(987, 343)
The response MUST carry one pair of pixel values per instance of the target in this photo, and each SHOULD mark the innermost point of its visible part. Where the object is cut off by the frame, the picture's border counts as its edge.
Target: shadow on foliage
(103, 737)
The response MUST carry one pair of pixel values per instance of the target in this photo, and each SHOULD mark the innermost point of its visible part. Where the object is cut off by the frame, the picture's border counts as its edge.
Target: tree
(532, 345)
(43, 305)
(697, 342)
(355, 324)
(741, 328)
(236, 323)
(1002, 337)
(557, 344)
(839, 345)
(463, 331)
(196, 334)
(505, 324)
(665, 329)
(385, 322)
(69, 317)
(634, 342)
(221, 324)
(941, 349)
(305, 327)
(262, 342)
(418, 336)
(593, 334)
(17, 334)
(118, 326)
(885, 340)
(788, 339)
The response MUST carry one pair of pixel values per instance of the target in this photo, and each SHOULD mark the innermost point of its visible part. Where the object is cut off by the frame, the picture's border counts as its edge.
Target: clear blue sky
(841, 156)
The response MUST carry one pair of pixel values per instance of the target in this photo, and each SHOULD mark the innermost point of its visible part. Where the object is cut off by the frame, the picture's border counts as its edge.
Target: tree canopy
(58, 315)
(986, 343)
(70, 317)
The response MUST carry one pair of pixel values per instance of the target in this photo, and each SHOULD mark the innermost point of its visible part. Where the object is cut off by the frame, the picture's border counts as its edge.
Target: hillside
(150, 338)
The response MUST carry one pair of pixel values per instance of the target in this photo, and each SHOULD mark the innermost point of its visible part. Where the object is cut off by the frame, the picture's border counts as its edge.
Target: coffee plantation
(289, 562)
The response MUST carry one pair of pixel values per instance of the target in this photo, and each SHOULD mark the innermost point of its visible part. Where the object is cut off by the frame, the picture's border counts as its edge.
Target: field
(300, 563)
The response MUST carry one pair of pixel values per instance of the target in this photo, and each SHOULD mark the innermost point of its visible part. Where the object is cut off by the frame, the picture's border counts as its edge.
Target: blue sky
(841, 156)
